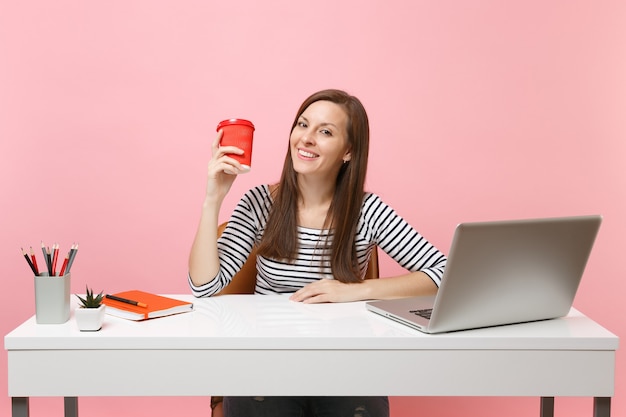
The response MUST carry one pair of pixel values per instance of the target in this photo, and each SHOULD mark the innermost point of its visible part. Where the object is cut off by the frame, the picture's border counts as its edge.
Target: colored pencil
(72, 255)
(34, 259)
(49, 258)
(45, 256)
(64, 266)
(30, 263)
(55, 256)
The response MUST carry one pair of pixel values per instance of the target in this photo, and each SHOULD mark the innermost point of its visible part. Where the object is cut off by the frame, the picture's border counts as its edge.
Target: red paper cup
(238, 132)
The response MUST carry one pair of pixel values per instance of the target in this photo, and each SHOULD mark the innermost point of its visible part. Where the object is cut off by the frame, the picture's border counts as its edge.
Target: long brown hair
(280, 236)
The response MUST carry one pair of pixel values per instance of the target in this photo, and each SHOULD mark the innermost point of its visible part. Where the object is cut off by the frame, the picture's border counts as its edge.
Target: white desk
(345, 350)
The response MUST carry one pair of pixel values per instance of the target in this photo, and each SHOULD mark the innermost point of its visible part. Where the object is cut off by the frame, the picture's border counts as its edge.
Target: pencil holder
(52, 299)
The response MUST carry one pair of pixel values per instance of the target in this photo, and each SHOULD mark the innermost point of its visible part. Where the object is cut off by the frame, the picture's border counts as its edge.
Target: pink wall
(479, 110)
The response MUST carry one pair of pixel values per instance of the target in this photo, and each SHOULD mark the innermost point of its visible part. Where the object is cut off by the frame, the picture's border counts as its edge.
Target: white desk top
(274, 322)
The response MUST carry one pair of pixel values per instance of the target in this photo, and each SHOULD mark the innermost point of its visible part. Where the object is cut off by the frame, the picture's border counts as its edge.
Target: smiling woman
(314, 233)
(327, 193)
(320, 136)
(478, 110)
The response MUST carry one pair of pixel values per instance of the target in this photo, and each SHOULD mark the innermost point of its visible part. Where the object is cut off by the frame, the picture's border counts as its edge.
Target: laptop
(502, 272)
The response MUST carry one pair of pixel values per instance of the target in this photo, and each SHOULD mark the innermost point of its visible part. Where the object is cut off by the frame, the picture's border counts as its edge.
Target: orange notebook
(156, 305)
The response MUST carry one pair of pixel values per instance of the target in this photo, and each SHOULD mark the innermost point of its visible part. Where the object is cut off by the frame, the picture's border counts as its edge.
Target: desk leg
(601, 406)
(19, 407)
(71, 406)
(547, 407)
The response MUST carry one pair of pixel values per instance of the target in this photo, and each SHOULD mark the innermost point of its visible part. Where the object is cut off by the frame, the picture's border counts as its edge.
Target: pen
(126, 300)
(30, 263)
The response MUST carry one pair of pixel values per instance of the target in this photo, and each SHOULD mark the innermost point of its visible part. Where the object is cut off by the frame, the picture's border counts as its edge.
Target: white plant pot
(89, 319)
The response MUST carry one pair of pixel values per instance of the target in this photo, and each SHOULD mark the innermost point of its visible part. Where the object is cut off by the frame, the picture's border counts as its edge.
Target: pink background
(480, 110)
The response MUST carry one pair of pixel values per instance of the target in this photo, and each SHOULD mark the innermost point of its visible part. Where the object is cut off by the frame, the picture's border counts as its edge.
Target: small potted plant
(90, 314)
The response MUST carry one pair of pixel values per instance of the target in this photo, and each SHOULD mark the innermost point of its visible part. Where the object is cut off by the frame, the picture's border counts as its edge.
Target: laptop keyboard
(422, 313)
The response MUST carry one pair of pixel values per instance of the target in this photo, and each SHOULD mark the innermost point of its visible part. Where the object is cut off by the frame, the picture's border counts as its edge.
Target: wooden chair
(243, 283)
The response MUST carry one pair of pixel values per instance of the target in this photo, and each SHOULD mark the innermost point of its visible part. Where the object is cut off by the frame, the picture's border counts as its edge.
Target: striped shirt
(378, 225)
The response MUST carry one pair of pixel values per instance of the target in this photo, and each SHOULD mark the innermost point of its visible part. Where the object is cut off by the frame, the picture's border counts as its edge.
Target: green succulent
(90, 301)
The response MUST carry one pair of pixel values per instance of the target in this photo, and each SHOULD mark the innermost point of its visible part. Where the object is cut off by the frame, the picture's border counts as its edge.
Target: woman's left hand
(328, 291)
(333, 291)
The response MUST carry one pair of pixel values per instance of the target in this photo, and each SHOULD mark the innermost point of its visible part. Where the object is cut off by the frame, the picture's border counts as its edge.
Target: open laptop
(502, 272)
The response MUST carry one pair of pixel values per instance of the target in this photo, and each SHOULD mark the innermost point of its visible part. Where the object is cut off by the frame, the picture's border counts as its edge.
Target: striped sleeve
(399, 240)
(244, 229)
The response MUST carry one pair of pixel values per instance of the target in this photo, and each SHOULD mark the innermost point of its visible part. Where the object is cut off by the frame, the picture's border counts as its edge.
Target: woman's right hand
(222, 169)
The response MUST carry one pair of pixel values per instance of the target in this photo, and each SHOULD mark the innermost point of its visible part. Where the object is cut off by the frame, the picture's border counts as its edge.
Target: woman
(315, 231)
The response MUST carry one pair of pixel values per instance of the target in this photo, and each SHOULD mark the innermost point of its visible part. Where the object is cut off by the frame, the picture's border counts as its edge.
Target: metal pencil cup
(52, 299)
